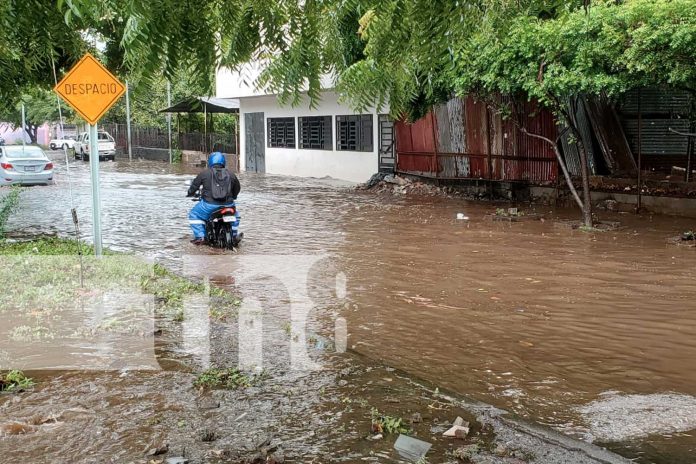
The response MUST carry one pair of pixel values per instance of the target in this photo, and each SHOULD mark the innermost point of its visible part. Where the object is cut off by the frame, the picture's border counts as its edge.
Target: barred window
(281, 132)
(315, 132)
(354, 132)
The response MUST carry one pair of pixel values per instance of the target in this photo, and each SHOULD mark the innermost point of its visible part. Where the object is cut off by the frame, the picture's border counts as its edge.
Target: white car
(24, 165)
(63, 143)
(105, 144)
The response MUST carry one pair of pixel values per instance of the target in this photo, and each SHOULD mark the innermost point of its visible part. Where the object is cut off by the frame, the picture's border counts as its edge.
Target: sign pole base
(96, 201)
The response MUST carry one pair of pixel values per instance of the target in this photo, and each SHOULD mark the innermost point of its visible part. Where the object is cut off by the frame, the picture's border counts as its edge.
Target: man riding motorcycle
(220, 189)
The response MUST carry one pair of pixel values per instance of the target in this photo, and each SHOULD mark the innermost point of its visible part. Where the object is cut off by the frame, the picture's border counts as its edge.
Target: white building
(328, 140)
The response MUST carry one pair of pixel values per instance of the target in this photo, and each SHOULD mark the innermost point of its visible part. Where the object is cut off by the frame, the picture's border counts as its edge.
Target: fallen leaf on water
(526, 343)
(495, 298)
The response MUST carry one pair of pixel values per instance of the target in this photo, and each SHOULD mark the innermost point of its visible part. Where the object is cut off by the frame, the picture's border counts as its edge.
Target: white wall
(346, 165)
(12, 135)
(243, 82)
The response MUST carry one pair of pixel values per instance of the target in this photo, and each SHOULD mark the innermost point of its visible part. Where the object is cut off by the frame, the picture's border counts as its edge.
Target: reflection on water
(537, 319)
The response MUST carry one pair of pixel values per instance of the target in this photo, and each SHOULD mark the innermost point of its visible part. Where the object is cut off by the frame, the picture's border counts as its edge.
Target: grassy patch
(510, 212)
(15, 381)
(48, 246)
(382, 423)
(8, 203)
(168, 288)
(590, 230)
(229, 379)
(171, 290)
(42, 280)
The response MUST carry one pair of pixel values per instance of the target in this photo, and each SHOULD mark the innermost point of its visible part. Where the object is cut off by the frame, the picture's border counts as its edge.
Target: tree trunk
(586, 196)
(586, 203)
(571, 122)
(562, 164)
(584, 167)
(31, 131)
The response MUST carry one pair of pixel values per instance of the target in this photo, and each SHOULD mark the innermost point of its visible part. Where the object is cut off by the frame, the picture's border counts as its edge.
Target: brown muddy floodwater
(593, 334)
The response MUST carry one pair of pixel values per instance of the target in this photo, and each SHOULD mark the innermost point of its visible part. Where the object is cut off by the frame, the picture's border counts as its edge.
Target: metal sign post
(128, 123)
(24, 125)
(169, 119)
(91, 90)
(96, 201)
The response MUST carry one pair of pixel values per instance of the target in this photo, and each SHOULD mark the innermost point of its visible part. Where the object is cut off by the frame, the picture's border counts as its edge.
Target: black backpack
(221, 184)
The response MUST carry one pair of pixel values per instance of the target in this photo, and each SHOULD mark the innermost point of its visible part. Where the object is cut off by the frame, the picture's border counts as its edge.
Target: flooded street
(533, 317)
(593, 334)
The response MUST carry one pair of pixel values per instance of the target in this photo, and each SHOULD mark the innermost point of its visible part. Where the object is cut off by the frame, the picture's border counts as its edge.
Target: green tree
(410, 54)
(149, 96)
(40, 106)
(34, 36)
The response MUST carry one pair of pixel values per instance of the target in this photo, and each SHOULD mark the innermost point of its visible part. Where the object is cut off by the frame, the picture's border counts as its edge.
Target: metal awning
(204, 105)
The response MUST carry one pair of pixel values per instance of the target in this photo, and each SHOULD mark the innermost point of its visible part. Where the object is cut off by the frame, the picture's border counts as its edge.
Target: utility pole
(169, 119)
(128, 124)
(640, 151)
(24, 125)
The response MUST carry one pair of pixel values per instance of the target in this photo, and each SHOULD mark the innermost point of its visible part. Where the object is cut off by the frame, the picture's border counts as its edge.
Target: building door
(387, 141)
(255, 142)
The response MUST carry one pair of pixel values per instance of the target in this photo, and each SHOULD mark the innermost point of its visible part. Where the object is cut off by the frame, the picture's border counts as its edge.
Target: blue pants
(202, 212)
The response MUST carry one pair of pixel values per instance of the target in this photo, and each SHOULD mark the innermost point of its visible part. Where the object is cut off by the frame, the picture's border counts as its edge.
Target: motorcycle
(218, 228)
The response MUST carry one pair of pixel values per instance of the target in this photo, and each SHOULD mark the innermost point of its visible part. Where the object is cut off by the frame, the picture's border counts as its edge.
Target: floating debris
(624, 417)
(411, 448)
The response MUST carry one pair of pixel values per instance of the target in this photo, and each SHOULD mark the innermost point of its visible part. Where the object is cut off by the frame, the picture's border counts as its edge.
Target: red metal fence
(465, 139)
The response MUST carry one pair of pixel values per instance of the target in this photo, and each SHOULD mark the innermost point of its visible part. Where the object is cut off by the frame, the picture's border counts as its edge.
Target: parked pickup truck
(106, 145)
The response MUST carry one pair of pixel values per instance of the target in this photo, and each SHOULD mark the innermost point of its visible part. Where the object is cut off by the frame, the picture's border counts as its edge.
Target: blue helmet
(216, 158)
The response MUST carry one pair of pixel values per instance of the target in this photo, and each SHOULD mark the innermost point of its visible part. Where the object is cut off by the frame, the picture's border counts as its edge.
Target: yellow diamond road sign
(90, 88)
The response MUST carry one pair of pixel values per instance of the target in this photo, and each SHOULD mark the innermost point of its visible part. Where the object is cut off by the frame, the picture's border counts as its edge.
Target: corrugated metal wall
(661, 109)
(417, 143)
(464, 139)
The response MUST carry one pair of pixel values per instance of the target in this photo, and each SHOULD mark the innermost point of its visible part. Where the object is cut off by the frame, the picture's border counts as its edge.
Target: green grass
(170, 290)
(43, 276)
(590, 230)
(388, 424)
(510, 212)
(48, 246)
(8, 203)
(229, 379)
(15, 381)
